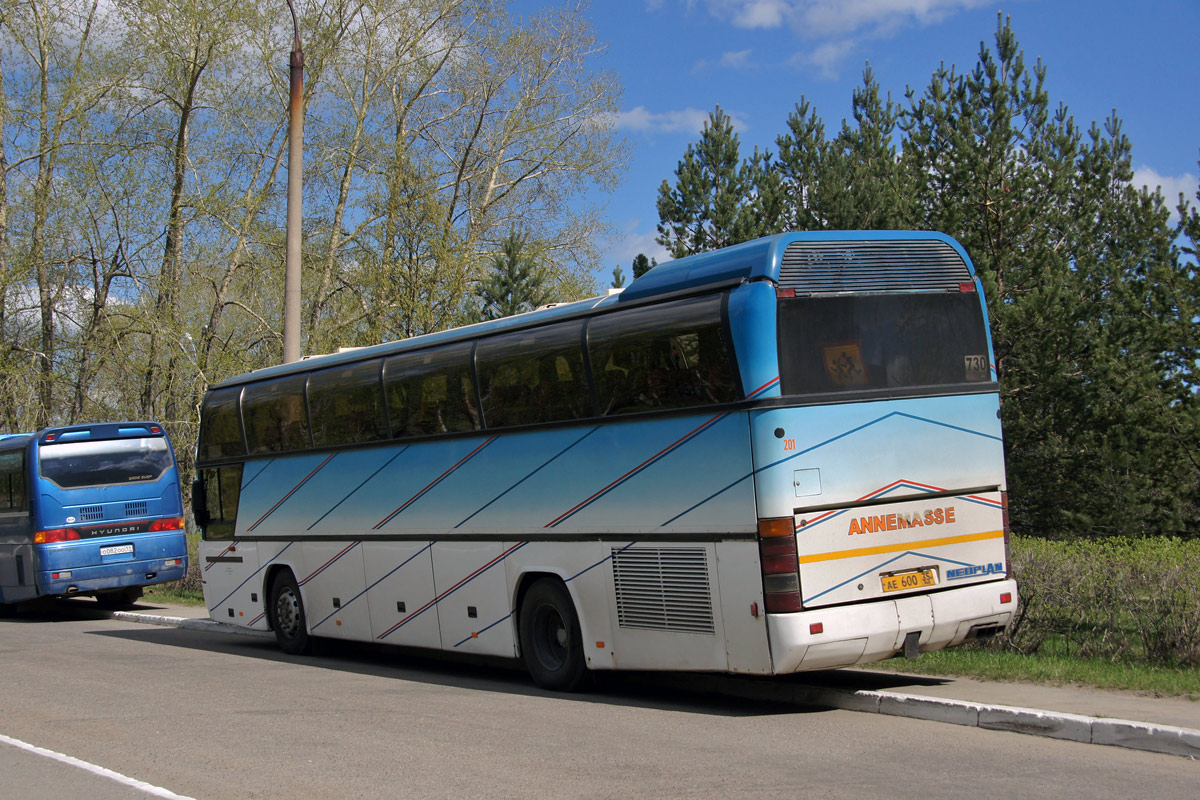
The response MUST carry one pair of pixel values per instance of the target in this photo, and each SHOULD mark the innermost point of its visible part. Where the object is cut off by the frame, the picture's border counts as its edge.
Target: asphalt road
(208, 715)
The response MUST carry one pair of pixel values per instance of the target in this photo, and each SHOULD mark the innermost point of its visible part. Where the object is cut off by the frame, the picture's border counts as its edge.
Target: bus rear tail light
(55, 535)
(780, 567)
(167, 524)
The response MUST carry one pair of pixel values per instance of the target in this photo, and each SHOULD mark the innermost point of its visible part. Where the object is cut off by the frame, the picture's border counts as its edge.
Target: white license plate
(116, 550)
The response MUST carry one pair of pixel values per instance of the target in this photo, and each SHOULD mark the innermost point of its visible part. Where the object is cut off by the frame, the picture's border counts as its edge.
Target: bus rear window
(74, 465)
(881, 341)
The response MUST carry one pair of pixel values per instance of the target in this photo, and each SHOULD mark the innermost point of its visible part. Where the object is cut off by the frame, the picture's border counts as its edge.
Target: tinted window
(12, 481)
(72, 465)
(664, 356)
(222, 490)
(220, 425)
(345, 405)
(275, 416)
(882, 341)
(533, 376)
(430, 391)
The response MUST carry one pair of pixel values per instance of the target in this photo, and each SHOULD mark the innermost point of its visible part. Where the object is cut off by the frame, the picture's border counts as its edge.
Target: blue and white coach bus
(90, 510)
(780, 456)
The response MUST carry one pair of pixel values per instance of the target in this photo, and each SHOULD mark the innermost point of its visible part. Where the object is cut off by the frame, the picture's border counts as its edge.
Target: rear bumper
(111, 576)
(866, 632)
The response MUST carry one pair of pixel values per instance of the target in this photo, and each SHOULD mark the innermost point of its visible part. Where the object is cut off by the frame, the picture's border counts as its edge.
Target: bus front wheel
(551, 644)
(287, 615)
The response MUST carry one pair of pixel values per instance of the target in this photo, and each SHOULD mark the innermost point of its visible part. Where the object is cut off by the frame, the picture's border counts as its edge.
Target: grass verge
(170, 593)
(1058, 669)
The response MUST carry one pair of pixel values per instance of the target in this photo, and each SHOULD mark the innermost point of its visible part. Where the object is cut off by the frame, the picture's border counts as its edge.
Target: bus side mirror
(199, 503)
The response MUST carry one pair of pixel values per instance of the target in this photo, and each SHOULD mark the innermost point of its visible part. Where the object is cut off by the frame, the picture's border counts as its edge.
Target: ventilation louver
(663, 589)
(137, 509)
(813, 268)
(91, 513)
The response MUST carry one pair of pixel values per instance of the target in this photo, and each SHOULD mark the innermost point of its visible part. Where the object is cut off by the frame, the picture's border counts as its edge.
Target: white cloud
(687, 120)
(736, 59)
(624, 247)
(835, 27)
(1171, 185)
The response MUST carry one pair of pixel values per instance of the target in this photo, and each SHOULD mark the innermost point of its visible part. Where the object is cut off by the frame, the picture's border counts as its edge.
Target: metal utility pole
(291, 283)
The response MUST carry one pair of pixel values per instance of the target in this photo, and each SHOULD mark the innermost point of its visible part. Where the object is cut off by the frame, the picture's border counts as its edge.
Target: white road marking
(157, 791)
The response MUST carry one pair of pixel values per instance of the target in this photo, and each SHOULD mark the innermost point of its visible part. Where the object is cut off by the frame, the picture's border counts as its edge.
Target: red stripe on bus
(327, 563)
(223, 552)
(642, 465)
(432, 602)
(435, 482)
(296, 488)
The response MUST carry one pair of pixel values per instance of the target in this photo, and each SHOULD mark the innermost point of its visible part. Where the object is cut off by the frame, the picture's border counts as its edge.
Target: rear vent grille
(91, 513)
(838, 267)
(663, 589)
(135, 509)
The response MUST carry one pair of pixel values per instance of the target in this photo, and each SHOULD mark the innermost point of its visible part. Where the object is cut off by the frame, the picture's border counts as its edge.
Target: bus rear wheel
(287, 615)
(551, 643)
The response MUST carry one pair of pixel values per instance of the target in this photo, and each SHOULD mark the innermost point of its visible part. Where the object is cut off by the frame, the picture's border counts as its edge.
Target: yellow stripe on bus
(893, 548)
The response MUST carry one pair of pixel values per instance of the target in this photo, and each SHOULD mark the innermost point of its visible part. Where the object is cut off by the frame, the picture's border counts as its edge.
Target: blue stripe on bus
(295, 489)
(452, 590)
(527, 477)
(356, 488)
(820, 445)
(631, 473)
(607, 558)
(878, 567)
(329, 563)
(902, 483)
(252, 574)
(268, 463)
(435, 482)
(373, 585)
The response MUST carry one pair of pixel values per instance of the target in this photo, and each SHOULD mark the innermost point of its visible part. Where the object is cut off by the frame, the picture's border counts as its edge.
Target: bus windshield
(881, 341)
(73, 465)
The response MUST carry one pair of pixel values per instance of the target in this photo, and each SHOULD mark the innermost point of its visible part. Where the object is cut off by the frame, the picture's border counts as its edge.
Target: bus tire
(120, 599)
(287, 615)
(551, 643)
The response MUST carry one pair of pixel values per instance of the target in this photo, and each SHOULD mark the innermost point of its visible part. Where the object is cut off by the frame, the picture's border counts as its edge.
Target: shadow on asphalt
(701, 693)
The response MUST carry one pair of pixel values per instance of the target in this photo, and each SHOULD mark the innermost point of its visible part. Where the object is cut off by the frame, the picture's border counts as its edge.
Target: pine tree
(618, 278)
(642, 265)
(708, 207)
(514, 285)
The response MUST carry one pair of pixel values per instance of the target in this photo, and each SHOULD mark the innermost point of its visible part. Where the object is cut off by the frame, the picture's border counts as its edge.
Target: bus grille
(663, 589)
(91, 513)
(881, 266)
(137, 509)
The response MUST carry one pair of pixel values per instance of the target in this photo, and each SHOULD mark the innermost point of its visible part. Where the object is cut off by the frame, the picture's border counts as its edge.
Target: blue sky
(677, 59)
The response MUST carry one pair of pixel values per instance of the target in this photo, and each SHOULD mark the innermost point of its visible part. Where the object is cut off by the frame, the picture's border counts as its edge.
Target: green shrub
(1117, 599)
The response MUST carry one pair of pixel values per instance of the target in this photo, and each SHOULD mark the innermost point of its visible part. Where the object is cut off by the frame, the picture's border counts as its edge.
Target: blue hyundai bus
(89, 509)
(784, 455)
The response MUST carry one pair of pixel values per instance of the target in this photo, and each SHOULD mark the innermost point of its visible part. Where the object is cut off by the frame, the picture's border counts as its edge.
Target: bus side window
(430, 391)
(346, 405)
(662, 357)
(12, 481)
(533, 376)
(222, 490)
(275, 416)
(221, 425)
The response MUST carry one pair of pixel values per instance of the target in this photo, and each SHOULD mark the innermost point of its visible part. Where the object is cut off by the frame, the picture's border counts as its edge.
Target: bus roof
(760, 259)
(99, 431)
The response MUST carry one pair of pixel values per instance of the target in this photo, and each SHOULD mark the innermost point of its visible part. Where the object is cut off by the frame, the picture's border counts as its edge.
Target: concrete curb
(187, 623)
(1147, 736)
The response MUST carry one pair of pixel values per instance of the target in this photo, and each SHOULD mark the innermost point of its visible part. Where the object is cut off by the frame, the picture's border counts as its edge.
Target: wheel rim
(287, 613)
(551, 639)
